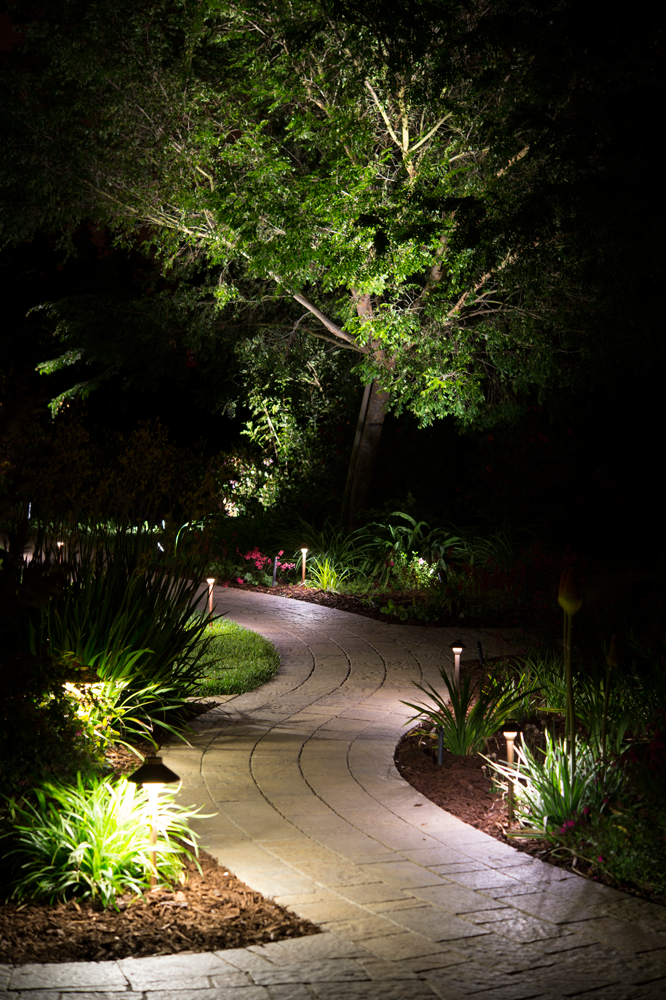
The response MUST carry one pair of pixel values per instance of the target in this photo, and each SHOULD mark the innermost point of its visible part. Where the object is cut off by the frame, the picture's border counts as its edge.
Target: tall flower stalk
(570, 601)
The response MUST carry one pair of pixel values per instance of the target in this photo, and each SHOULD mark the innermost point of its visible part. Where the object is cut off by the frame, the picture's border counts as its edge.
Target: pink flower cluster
(264, 562)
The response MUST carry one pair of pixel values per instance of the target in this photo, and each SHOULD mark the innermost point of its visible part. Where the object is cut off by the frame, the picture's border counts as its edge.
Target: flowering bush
(259, 572)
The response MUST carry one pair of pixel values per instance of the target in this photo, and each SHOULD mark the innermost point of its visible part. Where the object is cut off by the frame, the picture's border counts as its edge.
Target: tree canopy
(431, 187)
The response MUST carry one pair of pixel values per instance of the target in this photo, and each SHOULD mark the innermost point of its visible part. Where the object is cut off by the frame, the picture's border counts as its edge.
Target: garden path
(310, 809)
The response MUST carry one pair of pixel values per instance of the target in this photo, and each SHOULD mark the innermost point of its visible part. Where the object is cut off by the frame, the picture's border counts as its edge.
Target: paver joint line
(312, 810)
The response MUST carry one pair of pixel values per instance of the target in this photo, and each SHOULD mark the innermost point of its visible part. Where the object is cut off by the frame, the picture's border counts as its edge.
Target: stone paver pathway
(311, 810)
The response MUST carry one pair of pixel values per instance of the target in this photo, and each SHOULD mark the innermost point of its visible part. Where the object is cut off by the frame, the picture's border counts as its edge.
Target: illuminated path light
(153, 775)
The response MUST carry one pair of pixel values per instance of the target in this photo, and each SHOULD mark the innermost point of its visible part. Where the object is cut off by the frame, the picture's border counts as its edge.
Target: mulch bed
(211, 911)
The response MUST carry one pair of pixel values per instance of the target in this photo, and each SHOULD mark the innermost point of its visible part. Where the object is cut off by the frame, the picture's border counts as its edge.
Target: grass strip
(238, 660)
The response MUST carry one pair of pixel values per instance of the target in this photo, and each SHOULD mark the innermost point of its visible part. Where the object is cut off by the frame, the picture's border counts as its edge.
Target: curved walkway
(310, 809)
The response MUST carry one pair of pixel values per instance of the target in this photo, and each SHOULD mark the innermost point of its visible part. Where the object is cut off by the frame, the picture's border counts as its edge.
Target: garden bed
(370, 607)
(463, 787)
(211, 911)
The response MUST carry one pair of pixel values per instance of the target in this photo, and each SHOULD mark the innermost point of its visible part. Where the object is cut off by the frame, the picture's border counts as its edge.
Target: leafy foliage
(474, 715)
(548, 796)
(422, 195)
(91, 841)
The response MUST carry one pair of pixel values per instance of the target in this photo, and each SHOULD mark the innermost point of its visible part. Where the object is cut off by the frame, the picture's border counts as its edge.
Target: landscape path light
(304, 553)
(510, 731)
(457, 648)
(153, 775)
(210, 580)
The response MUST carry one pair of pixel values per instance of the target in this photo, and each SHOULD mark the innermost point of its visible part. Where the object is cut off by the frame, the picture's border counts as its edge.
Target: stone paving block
(332, 970)
(288, 991)
(549, 907)
(438, 960)
(335, 874)
(85, 975)
(639, 911)
(321, 913)
(436, 924)
(433, 856)
(295, 950)
(171, 968)
(506, 892)
(381, 968)
(357, 847)
(621, 935)
(397, 947)
(246, 959)
(622, 991)
(416, 990)
(247, 993)
(456, 898)
(524, 930)
(372, 892)
(34, 995)
(485, 878)
(402, 874)
(281, 883)
(394, 904)
(368, 926)
(590, 894)
(76, 995)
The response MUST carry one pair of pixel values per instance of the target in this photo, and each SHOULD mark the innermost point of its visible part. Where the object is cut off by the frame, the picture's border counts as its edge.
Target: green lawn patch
(238, 660)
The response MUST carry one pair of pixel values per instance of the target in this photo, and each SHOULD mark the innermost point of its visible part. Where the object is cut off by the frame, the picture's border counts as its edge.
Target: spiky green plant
(476, 712)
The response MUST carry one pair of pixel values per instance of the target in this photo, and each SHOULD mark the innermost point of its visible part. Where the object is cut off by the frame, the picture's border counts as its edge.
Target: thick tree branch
(329, 324)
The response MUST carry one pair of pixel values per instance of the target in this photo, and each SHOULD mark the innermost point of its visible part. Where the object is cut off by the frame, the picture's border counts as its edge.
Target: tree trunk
(366, 441)
(364, 452)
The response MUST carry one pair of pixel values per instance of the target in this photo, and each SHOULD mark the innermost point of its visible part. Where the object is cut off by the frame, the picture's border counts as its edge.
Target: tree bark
(364, 454)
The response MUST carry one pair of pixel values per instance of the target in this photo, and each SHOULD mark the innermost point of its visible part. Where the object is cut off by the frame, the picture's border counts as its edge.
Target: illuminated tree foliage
(422, 185)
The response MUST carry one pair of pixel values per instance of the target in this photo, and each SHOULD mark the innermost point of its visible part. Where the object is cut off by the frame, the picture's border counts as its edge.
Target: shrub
(91, 841)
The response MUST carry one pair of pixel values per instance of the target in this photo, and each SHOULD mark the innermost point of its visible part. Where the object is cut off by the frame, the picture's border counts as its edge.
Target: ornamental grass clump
(91, 841)
(548, 796)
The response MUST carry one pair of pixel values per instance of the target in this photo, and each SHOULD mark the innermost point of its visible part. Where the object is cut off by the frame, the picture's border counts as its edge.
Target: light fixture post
(304, 553)
(440, 745)
(275, 565)
(510, 732)
(153, 775)
(457, 648)
(210, 580)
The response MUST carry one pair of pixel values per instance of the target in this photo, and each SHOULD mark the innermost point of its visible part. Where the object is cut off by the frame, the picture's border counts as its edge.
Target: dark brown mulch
(210, 912)
(459, 785)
